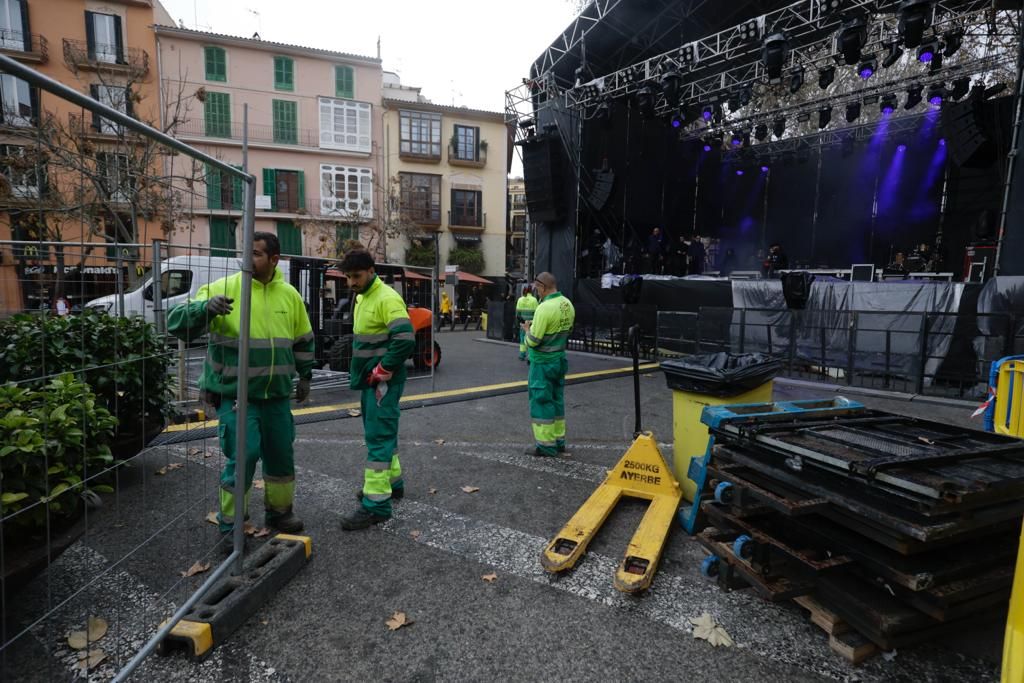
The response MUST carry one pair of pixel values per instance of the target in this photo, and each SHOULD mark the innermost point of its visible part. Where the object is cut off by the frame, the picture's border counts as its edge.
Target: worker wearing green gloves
(547, 336)
(383, 341)
(525, 307)
(281, 344)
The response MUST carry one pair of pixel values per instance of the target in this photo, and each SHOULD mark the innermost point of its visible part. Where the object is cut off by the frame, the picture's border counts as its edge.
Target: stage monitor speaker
(631, 287)
(796, 288)
(542, 174)
(966, 134)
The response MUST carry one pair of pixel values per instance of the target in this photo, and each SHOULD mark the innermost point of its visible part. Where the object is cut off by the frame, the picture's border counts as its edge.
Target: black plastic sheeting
(720, 374)
(1000, 317)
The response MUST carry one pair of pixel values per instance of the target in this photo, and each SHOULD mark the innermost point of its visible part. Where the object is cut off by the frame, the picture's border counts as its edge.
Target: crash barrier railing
(939, 354)
(105, 541)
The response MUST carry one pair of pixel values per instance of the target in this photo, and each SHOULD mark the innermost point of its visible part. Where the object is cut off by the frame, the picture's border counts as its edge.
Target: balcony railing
(301, 137)
(27, 47)
(79, 54)
(461, 219)
(454, 158)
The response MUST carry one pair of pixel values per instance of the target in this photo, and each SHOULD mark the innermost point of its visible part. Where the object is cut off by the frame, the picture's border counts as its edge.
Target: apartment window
(284, 73)
(223, 190)
(467, 143)
(419, 133)
(21, 171)
(286, 117)
(290, 237)
(217, 110)
(20, 101)
(519, 223)
(344, 82)
(344, 232)
(344, 125)
(114, 173)
(216, 63)
(222, 236)
(115, 97)
(286, 189)
(466, 208)
(14, 33)
(420, 197)
(103, 37)
(346, 190)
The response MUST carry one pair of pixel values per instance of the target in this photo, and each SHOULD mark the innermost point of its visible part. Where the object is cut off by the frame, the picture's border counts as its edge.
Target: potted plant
(483, 145)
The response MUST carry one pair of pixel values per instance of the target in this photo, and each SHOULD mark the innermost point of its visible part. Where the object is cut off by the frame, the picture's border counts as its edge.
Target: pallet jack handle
(634, 346)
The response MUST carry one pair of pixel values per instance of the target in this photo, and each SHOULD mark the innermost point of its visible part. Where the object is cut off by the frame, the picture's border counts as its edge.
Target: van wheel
(339, 356)
(427, 355)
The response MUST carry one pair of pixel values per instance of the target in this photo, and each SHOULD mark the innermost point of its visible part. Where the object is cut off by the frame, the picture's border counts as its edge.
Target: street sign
(451, 269)
(263, 201)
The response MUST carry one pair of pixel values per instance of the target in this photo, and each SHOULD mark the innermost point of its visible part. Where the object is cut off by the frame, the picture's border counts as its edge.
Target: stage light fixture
(867, 68)
(803, 118)
(928, 50)
(778, 127)
(901, 148)
(936, 64)
(796, 79)
(952, 41)
(733, 102)
(645, 101)
(887, 103)
(739, 171)
(852, 36)
(936, 94)
(961, 87)
(761, 132)
(719, 114)
(707, 112)
(824, 116)
(749, 31)
(915, 17)
(687, 53)
(914, 96)
(764, 169)
(893, 53)
(676, 121)
(774, 55)
(746, 95)
(826, 76)
(670, 81)
(994, 90)
(852, 112)
(829, 6)
(737, 139)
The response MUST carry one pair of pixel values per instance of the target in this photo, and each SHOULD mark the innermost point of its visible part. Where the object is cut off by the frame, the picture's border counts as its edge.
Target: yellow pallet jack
(641, 473)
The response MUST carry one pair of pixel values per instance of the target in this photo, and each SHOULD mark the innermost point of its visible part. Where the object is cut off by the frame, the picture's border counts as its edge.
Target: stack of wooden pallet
(903, 529)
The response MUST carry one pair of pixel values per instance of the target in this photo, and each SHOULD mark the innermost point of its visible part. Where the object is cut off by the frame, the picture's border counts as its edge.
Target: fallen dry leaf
(170, 467)
(207, 454)
(197, 568)
(264, 621)
(78, 640)
(211, 517)
(91, 659)
(439, 442)
(96, 629)
(249, 529)
(261, 533)
(194, 451)
(258, 484)
(432, 490)
(705, 627)
(415, 533)
(397, 621)
(489, 578)
(354, 412)
(470, 489)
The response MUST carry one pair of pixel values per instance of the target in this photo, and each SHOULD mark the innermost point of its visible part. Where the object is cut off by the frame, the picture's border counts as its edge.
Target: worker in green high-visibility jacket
(281, 345)
(547, 336)
(525, 307)
(383, 341)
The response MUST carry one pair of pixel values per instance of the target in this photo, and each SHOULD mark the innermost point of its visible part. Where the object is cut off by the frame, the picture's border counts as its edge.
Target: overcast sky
(462, 52)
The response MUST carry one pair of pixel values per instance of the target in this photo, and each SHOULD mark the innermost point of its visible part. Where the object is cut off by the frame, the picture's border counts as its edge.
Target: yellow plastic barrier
(1013, 645)
(1009, 408)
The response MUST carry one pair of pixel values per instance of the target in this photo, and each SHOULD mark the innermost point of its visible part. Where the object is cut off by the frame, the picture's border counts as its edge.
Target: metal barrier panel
(1009, 408)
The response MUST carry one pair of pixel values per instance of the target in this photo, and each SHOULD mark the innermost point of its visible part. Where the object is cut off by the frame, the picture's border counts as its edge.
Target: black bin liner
(720, 374)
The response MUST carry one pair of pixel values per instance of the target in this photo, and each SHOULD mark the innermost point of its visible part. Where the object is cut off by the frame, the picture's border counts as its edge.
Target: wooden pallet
(843, 640)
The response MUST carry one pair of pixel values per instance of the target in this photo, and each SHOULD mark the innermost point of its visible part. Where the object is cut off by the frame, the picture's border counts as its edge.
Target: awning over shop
(468, 277)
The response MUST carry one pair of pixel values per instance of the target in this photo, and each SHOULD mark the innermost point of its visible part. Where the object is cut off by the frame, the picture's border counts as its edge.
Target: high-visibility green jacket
(525, 307)
(281, 341)
(383, 334)
(552, 324)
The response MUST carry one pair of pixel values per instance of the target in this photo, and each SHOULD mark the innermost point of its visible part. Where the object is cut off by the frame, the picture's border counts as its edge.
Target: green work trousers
(269, 434)
(546, 385)
(383, 472)
(522, 344)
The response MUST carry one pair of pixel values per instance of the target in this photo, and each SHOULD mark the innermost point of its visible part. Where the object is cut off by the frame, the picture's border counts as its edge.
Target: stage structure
(670, 114)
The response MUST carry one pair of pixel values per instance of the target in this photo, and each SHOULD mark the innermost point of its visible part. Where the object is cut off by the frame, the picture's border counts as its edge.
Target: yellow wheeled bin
(710, 380)
(1013, 644)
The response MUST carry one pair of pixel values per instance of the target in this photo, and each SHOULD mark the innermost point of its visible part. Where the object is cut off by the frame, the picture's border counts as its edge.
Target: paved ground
(428, 562)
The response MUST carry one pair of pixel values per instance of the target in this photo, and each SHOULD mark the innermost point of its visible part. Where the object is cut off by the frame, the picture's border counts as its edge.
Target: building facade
(314, 131)
(518, 226)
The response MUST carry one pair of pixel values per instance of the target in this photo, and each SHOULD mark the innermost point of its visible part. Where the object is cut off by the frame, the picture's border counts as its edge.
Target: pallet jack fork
(641, 473)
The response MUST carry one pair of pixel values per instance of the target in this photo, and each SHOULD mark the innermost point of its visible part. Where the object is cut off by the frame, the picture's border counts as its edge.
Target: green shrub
(420, 256)
(468, 260)
(123, 360)
(51, 437)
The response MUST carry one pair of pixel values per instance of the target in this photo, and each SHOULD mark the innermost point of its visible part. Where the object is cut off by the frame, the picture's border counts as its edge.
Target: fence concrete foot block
(232, 600)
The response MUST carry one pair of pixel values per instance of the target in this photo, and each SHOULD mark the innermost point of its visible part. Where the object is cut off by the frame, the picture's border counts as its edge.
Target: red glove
(378, 375)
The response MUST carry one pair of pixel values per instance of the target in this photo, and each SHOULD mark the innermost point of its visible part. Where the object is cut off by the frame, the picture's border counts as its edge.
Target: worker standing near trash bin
(525, 307)
(384, 340)
(281, 344)
(547, 336)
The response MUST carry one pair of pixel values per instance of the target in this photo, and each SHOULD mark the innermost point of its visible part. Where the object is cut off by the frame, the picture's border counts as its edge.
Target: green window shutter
(237, 190)
(270, 186)
(222, 237)
(217, 111)
(290, 237)
(285, 115)
(213, 188)
(344, 82)
(302, 189)
(216, 64)
(284, 73)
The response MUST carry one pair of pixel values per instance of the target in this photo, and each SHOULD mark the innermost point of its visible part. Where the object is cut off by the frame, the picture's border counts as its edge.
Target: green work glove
(302, 390)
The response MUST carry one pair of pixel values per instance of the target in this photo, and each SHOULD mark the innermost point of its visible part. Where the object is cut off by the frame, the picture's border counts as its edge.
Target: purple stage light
(887, 110)
(707, 148)
(935, 100)
(942, 142)
(676, 123)
(901, 148)
(764, 169)
(707, 114)
(739, 172)
(867, 72)
(926, 56)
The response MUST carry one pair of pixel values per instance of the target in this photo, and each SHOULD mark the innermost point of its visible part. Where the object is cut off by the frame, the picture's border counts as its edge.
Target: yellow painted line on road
(426, 397)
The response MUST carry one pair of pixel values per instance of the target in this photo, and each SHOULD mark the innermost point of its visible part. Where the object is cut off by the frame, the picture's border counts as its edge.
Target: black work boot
(396, 494)
(287, 523)
(361, 518)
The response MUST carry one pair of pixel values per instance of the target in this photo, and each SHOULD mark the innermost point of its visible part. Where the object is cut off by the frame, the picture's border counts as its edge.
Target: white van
(182, 276)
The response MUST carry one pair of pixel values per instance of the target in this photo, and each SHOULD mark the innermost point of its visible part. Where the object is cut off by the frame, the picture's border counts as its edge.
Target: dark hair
(357, 259)
(270, 240)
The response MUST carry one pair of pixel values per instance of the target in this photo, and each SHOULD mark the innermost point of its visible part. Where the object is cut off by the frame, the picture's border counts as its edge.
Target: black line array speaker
(966, 132)
(542, 173)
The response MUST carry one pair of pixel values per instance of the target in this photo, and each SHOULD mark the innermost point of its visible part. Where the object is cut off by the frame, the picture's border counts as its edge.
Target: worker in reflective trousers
(525, 307)
(384, 340)
(280, 345)
(546, 336)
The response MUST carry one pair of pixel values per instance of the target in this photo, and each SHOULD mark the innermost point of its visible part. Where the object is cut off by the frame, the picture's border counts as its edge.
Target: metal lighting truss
(592, 14)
